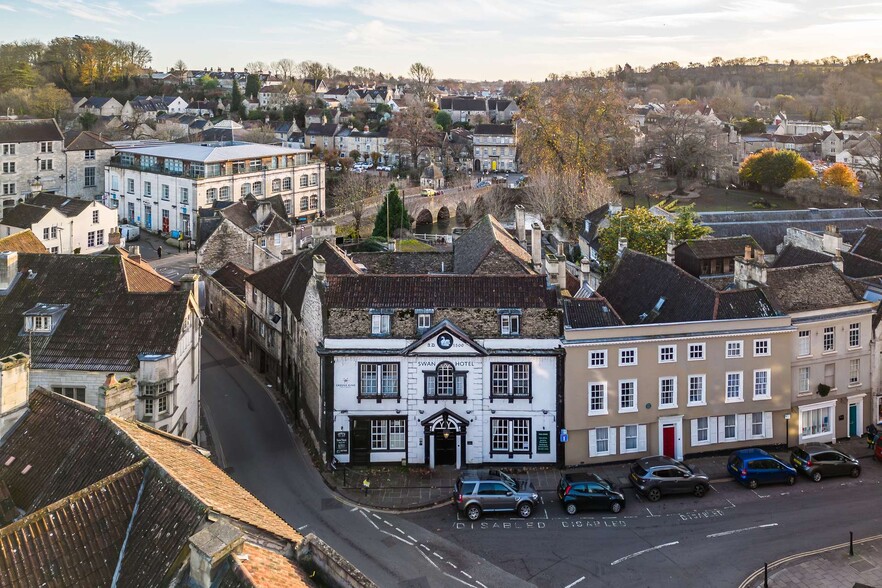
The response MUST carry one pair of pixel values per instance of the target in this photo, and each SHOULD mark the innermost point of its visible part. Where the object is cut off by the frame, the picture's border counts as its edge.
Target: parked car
(819, 460)
(659, 475)
(477, 492)
(427, 192)
(580, 491)
(753, 467)
(877, 448)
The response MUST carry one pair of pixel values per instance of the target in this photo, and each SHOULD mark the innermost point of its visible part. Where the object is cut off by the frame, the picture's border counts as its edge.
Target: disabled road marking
(734, 531)
(642, 551)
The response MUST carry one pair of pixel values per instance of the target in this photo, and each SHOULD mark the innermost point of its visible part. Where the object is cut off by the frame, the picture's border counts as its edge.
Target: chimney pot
(110, 382)
(748, 252)
(536, 246)
(319, 266)
(520, 223)
(623, 244)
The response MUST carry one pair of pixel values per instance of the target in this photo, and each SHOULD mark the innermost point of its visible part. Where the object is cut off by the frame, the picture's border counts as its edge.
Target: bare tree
(689, 145)
(180, 66)
(256, 67)
(284, 68)
(260, 134)
(564, 198)
(311, 70)
(350, 194)
(422, 78)
(415, 127)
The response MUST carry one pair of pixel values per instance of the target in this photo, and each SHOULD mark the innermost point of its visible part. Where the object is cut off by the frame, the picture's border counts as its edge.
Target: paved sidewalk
(831, 568)
(396, 487)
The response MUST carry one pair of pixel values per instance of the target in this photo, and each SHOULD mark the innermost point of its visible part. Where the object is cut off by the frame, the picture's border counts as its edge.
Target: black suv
(819, 460)
(579, 491)
(658, 475)
(494, 491)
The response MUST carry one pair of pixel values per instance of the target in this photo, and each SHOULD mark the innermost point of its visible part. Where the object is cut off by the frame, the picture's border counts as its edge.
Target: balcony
(188, 172)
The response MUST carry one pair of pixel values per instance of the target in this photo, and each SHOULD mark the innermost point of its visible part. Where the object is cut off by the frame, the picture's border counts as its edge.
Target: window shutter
(592, 442)
(641, 437)
(715, 424)
(767, 424)
(740, 427)
(622, 443)
(612, 440)
(693, 431)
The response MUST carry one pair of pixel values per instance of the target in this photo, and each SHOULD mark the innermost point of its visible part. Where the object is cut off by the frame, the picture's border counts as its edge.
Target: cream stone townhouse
(160, 187)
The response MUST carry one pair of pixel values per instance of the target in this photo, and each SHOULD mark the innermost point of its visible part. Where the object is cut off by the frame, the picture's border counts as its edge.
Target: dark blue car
(753, 467)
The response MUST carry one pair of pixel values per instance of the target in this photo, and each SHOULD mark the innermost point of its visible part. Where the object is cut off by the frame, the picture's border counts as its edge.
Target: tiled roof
(87, 140)
(105, 326)
(270, 281)
(644, 289)
(383, 262)
(268, 569)
(490, 129)
(322, 130)
(869, 244)
(448, 291)
(857, 266)
(23, 215)
(713, 248)
(792, 255)
(474, 245)
(809, 287)
(29, 130)
(140, 275)
(208, 483)
(23, 242)
(232, 277)
(336, 262)
(64, 204)
(592, 221)
(582, 313)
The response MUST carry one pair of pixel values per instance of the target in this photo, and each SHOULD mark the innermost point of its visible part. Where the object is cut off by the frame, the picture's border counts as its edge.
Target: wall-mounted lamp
(446, 434)
(468, 412)
(397, 411)
(422, 411)
(492, 411)
(544, 412)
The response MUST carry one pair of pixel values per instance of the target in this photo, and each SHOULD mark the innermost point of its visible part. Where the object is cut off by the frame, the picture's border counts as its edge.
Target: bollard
(765, 575)
(851, 543)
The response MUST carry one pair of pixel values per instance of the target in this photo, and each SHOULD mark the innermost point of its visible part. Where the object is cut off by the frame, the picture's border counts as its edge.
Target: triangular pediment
(445, 338)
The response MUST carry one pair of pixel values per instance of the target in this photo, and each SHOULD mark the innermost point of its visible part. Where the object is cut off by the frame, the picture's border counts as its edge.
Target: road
(258, 450)
(679, 541)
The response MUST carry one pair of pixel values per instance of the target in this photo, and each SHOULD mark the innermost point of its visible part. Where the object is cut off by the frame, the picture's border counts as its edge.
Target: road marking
(642, 551)
(387, 522)
(731, 504)
(301, 528)
(435, 553)
(353, 509)
(451, 564)
(732, 532)
(574, 583)
(650, 513)
(480, 584)
(428, 559)
(712, 487)
(369, 520)
(411, 538)
(400, 531)
(461, 581)
(760, 495)
(396, 536)
(376, 516)
(466, 574)
(425, 547)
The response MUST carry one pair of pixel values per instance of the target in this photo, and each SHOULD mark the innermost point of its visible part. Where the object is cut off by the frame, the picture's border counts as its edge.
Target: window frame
(381, 324)
(734, 426)
(379, 380)
(458, 380)
(699, 428)
(854, 376)
(689, 349)
(731, 346)
(661, 352)
(633, 407)
(831, 348)
(604, 408)
(385, 431)
(807, 371)
(702, 401)
(509, 436)
(768, 345)
(768, 384)
(600, 360)
(622, 351)
(740, 396)
(661, 381)
(510, 324)
(510, 381)
(854, 331)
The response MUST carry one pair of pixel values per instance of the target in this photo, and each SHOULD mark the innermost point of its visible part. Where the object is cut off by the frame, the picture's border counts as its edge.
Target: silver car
(494, 491)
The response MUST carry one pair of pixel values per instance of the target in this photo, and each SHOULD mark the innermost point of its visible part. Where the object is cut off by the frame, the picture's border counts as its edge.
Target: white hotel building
(160, 187)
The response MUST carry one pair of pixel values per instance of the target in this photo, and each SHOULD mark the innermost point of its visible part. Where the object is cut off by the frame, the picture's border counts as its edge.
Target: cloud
(175, 6)
(108, 12)
(7, 8)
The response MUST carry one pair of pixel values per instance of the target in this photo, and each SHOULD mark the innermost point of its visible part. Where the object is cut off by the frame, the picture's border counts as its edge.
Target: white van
(129, 232)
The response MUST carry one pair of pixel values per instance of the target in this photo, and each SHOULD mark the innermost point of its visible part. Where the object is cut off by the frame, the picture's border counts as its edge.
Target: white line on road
(369, 520)
(732, 532)
(400, 531)
(466, 574)
(426, 547)
(461, 581)
(641, 552)
(396, 536)
(650, 512)
(574, 583)
(760, 495)
(388, 523)
(731, 504)
(480, 584)
(353, 509)
(376, 516)
(428, 559)
(435, 553)
(451, 564)
(411, 538)
(301, 528)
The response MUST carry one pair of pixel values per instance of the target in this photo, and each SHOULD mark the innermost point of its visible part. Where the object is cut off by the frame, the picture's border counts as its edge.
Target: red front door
(165, 221)
(669, 440)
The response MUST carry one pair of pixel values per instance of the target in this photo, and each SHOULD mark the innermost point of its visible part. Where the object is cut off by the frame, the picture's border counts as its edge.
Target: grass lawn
(715, 199)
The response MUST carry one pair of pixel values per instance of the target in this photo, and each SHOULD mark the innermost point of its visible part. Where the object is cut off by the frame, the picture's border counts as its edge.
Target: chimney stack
(209, 548)
(536, 246)
(190, 283)
(135, 253)
(837, 262)
(319, 266)
(584, 271)
(521, 223)
(8, 269)
(110, 381)
(669, 249)
(750, 270)
(831, 242)
(623, 244)
(562, 272)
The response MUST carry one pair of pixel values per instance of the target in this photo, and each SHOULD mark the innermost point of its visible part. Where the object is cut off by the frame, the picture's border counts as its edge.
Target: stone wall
(309, 336)
(479, 323)
(227, 243)
(227, 312)
(334, 570)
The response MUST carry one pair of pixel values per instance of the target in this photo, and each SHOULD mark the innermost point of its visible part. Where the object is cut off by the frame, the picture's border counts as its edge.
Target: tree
(252, 86)
(750, 126)
(646, 232)
(422, 76)
(87, 120)
(413, 127)
(564, 198)
(236, 99)
(572, 123)
(688, 143)
(208, 83)
(350, 194)
(772, 168)
(443, 120)
(311, 70)
(284, 68)
(393, 208)
(256, 67)
(180, 66)
(842, 176)
(45, 101)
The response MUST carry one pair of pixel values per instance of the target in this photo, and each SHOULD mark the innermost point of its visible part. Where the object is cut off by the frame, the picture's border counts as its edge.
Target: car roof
(657, 460)
(816, 447)
(577, 477)
(752, 453)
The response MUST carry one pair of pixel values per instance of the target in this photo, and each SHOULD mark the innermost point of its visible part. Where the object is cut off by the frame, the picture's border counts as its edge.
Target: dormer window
(510, 322)
(43, 318)
(380, 323)
(423, 320)
(38, 324)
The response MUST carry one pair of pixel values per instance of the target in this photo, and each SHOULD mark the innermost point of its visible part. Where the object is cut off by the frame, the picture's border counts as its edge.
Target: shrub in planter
(823, 389)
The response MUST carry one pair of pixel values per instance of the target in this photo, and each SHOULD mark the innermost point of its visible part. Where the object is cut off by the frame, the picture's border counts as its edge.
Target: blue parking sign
(564, 437)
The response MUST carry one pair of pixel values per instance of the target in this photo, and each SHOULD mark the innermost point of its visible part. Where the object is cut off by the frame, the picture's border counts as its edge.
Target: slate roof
(447, 291)
(23, 215)
(591, 223)
(792, 255)
(474, 245)
(468, 104)
(270, 281)
(583, 313)
(336, 262)
(714, 247)
(809, 287)
(86, 140)
(23, 242)
(67, 206)
(491, 129)
(29, 130)
(99, 490)
(105, 327)
(232, 277)
(322, 130)
(426, 262)
(643, 290)
(857, 266)
(869, 244)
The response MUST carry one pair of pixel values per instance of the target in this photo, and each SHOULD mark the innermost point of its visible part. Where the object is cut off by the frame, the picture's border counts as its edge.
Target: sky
(463, 39)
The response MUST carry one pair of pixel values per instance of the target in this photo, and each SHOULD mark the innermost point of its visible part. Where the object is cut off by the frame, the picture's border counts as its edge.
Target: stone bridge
(440, 208)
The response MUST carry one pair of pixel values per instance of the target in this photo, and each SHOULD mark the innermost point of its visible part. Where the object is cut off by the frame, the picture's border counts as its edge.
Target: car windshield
(508, 479)
(638, 469)
(800, 453)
